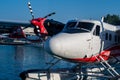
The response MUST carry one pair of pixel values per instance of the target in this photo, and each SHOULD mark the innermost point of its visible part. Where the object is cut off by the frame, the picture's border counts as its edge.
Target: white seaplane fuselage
(83, 41)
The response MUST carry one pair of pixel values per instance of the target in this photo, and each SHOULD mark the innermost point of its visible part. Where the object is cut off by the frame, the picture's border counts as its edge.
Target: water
(16, 59)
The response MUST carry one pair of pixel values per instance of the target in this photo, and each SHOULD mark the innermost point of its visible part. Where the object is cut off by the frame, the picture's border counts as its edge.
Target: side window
(97, 31)
(115, 38)
(110, 37)
(106, 36)
(118, 39)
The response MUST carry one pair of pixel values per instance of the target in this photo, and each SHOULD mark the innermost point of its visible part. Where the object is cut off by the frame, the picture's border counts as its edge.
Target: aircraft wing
(7, 26)
(14, 23)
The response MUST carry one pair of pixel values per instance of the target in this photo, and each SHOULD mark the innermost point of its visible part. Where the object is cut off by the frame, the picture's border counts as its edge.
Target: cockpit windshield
(71, 25)
(76, 27)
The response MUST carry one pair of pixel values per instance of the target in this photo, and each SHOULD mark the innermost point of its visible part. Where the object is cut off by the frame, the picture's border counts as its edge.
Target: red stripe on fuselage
(113, 51)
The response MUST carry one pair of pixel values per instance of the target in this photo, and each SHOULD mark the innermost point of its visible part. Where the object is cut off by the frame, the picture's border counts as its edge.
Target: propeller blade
(49, 14)
(30, 8)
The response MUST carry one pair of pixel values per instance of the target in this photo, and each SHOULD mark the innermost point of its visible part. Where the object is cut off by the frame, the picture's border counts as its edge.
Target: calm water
(16, 59)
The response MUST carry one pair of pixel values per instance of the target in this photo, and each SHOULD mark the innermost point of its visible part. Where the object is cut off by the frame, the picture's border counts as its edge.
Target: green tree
(112, 19)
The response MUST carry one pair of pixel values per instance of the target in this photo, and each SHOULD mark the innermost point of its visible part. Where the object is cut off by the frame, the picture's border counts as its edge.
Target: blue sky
(65, 9)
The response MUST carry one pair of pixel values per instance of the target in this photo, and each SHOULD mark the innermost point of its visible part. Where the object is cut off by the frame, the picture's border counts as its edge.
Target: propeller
(31, 11)
(49, 15)
(30, 8)
(39, 22)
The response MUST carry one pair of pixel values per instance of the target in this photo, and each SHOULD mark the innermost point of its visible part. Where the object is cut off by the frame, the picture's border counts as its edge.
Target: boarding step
(107, 66)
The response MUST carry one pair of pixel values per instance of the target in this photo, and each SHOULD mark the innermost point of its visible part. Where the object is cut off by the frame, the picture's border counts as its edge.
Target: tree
(112, 19)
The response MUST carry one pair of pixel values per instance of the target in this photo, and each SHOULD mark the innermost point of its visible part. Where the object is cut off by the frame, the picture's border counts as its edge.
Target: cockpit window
(85, 26)
(71, 25)
(77, 27)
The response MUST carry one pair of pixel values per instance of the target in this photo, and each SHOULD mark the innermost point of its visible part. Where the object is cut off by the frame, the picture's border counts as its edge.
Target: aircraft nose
(52, 46)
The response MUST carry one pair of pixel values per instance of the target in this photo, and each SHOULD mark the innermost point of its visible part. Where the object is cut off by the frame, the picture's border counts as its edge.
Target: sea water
(16, 59)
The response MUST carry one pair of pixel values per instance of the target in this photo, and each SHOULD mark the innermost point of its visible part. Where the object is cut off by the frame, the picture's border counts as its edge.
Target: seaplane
(82, 42)
(87, 41)
(29, 32)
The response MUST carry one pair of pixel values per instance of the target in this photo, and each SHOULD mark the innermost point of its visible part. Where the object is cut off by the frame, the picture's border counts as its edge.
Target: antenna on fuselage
(102, 19)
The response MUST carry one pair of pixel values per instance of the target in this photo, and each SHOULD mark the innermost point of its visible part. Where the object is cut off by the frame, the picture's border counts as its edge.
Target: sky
(17, 10)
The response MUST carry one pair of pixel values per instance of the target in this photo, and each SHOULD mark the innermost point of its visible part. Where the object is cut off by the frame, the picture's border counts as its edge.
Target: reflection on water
(15, 59)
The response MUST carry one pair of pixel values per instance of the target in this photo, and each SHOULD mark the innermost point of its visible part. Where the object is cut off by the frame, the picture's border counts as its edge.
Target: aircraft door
(96, 40)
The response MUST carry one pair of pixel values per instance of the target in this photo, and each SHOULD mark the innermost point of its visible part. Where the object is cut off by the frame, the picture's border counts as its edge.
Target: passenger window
(110, 37)
(97, 31)
(106, 36)
(115, 38)
(119, 39)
